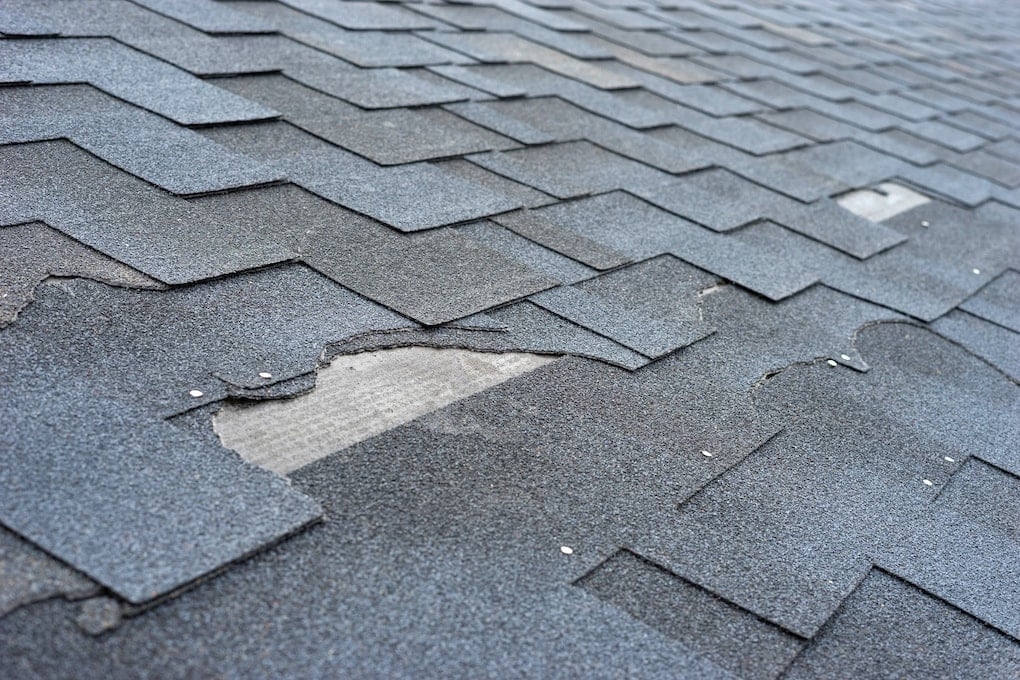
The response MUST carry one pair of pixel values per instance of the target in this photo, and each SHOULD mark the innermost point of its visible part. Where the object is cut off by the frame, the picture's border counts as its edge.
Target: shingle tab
(150, 147)
(430, 197)
(165, 237)
(388, 137)
(652, 337)
(571, 169)
(126, 74)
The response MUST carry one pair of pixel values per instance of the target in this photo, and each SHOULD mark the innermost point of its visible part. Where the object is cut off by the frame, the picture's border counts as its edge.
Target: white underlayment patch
(359, 396)
(883, 202)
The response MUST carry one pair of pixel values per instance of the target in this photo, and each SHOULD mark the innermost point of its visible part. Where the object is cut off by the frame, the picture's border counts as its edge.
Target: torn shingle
(32, 252)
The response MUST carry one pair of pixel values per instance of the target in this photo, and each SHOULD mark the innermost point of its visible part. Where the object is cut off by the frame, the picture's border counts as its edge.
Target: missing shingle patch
(359, 396)
(885, 201)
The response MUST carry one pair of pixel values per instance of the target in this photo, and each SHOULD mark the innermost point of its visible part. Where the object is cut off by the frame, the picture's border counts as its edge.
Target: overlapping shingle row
(255, 187)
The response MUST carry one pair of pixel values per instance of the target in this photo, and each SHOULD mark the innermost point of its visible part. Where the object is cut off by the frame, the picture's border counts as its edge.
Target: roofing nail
(566, 550)
(196, 393)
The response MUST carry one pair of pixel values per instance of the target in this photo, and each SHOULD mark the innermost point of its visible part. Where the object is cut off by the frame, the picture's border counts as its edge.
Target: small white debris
(976, 270)
(832, 363)
(948, 459)
(566, 550)
(265, 376)
(845, 357)
(925, 223)
(706, 454)
(197, 393)
(928, 482)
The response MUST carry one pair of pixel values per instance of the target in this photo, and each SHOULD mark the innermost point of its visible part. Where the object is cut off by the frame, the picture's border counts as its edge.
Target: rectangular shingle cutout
(884, 201)
(359, 396)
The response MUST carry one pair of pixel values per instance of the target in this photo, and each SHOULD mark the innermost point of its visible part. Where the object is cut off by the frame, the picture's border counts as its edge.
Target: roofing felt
(776, 434)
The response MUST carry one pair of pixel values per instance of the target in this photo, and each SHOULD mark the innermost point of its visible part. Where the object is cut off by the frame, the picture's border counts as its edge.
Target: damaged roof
(509, 338)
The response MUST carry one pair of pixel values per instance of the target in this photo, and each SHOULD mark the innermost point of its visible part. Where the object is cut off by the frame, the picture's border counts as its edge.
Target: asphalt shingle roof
(779, 438)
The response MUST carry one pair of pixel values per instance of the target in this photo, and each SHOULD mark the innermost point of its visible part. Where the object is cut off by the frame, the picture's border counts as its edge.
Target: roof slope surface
(782, 438)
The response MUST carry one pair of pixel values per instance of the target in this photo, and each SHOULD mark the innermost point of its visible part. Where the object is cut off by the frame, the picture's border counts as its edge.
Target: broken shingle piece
(31, 252)
(143, 509)
(523, 326)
